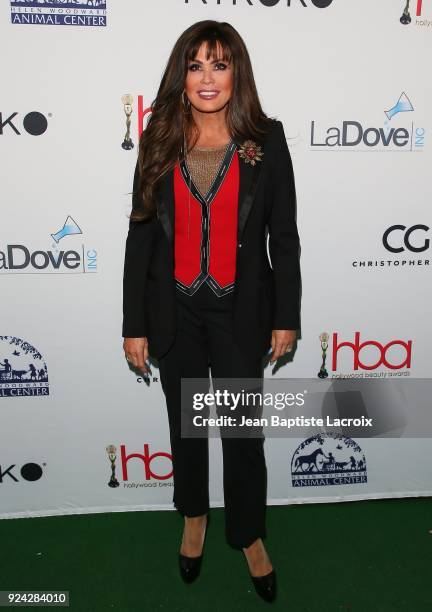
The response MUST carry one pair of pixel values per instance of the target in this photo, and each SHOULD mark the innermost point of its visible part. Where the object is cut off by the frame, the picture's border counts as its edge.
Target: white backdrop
(315, 69)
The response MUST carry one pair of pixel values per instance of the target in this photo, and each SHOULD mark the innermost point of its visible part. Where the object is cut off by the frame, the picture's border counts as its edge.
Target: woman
(213, 179)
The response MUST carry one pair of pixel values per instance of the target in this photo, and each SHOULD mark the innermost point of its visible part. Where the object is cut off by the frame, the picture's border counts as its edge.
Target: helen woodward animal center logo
(328, 459)
(90, 13)
(23, 371)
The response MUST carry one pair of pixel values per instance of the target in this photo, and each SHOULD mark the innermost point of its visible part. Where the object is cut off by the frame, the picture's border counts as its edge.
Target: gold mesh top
(203, 164)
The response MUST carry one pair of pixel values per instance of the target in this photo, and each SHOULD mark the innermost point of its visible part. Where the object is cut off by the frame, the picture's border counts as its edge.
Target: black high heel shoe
(190, 567)
(265, 586)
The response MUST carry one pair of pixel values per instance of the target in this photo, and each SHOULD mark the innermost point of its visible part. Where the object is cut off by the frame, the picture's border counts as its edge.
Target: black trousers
(204, 338)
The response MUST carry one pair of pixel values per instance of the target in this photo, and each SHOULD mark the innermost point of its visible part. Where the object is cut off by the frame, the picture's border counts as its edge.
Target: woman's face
(208, 82)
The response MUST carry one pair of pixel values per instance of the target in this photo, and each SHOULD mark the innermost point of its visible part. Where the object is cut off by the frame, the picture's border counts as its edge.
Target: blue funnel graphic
(403, 105)
(69, 228)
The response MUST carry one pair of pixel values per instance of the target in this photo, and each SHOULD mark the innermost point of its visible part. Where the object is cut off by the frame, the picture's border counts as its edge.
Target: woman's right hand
(136, 352)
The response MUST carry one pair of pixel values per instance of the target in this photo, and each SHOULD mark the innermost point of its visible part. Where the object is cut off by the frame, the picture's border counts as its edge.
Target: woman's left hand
(282, 342)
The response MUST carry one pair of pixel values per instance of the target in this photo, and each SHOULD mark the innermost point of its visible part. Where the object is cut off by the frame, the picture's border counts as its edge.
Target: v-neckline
(217, 180)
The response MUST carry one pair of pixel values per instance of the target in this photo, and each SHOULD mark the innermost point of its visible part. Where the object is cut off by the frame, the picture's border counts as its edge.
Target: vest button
(239, 244)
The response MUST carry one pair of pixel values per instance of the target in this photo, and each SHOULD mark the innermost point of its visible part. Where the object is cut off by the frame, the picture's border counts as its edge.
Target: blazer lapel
(248, 183)
(165, 204)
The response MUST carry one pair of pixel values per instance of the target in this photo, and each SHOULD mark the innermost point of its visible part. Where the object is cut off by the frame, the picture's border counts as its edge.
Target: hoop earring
(187, 104)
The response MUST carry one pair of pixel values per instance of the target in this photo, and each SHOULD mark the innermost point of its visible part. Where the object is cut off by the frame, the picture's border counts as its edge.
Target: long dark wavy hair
(171, 125)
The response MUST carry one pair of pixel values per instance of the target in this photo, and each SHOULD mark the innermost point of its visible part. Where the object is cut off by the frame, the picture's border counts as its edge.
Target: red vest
(205, 242)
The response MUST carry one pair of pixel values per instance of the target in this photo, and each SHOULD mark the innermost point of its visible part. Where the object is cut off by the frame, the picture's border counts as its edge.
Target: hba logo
(59, 12)
(34, 123)
(147, 459)
(367, 356)
(382, 351)
(357, 136)
(154, 468)
(21, 259)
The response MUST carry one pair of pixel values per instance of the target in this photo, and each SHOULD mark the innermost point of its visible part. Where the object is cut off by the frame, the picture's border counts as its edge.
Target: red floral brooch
(250, 152)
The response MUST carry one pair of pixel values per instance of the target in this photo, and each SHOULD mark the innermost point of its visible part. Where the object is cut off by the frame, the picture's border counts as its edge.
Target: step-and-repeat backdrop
(349, 79)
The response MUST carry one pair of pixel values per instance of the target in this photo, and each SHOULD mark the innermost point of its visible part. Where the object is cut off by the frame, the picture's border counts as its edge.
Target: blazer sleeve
(284, 243)
(138, 250)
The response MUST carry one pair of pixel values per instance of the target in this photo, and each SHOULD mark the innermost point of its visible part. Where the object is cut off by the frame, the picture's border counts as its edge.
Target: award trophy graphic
(324, 346)
(406, 17)
(127, 100)
(111, 450)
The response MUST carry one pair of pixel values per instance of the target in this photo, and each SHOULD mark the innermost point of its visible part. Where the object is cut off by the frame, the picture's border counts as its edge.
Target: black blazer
(265, 297)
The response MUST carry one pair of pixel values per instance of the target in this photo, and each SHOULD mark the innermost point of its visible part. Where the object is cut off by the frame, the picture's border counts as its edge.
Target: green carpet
(365, 556)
